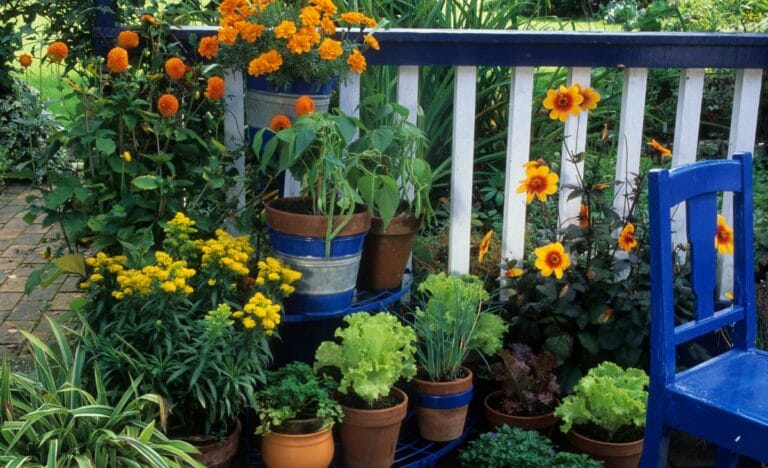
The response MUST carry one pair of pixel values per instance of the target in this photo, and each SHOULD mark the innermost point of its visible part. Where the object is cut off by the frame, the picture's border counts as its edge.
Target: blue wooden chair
(723, 400)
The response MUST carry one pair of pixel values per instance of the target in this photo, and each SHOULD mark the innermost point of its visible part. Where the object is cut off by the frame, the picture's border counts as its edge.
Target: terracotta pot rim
(496, 393)
(403, 401)
(232, 435)
(574, 433)
(311, 225)
(301, 435)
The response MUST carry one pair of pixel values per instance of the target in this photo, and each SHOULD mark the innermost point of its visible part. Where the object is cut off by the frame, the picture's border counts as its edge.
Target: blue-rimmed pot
(441, 407)
(327, 283)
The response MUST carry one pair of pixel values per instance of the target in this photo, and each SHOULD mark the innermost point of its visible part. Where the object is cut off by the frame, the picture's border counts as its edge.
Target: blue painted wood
(722, 400)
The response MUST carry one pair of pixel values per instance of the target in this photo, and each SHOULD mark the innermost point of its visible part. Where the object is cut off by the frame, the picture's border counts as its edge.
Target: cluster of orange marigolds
(540, 183)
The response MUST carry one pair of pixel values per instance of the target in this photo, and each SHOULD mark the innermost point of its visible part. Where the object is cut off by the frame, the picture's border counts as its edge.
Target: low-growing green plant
(374, 352)
(607, 404)
(51, 418)
(295, 392)
(453, 323)
(514, 447)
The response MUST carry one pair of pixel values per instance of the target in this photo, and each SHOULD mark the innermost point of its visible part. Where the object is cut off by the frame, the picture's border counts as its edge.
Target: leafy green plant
(374, 352)
(453, 323)
(607, 404)
(528, 382)
(512, 446)
(51, 419)
(295, 392)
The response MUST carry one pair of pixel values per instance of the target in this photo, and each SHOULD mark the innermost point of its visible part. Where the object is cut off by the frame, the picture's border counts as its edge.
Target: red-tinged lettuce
(527, 380)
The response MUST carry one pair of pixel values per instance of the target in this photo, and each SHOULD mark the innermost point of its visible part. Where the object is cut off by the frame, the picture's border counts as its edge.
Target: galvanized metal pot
(263, 101)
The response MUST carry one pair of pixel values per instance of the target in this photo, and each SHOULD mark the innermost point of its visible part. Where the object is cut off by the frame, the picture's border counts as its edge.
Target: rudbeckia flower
(539, 182)
(583, 216)
(552, 258)
(724, 236)
(665, 152)
(563, 102)
(591, 98)
(513, 272)
(627, 240)
(485, 244)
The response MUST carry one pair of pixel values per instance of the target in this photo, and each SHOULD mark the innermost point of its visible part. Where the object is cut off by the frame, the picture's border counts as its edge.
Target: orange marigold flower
(149, 19)
(663, 150)
(372, 42)
(208, 47)
(285, 30)
(300, 43)
(168, 105)
(117, 60)
(304, 105)
(251, 31)
(57, 52)
(215, 88)
(231, 7)
(513, 273)
(175, 68)
(353, 17)
(583, 216)
(267, 62)
(325, 6)
(128, 39)
(310, 17)
(591, 97)
(724, 236)
(330, 49)
(25, 60)
(327, 25)
(279, 122)
(538, 182)
(485, 245)
(627, 240)
(563, 102)
(356, 61)
(552, 258)
(228, 35)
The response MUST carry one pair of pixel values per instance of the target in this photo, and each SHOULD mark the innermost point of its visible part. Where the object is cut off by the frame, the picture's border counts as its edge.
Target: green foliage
(295, 392)
(608, 397)
(451, 324)
(51, 419)
(529, 384)
(515, 447)
(725, 15)
(375, 351)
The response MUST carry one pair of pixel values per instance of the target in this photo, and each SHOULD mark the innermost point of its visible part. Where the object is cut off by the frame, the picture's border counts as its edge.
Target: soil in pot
(542, 423)
(298, 444)
(219, 454)
(441, 407)
(386, 252)
(369, 437)
(294, 215)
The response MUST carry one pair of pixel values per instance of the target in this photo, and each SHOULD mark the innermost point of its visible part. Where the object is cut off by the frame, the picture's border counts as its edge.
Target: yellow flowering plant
(286, 40)
(192, 322)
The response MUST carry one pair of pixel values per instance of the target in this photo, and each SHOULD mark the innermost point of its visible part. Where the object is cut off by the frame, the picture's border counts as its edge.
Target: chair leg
(655, 446)
(727, 458)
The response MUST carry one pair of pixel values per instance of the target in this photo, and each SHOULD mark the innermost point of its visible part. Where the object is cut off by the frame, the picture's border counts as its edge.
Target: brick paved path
(21, 245)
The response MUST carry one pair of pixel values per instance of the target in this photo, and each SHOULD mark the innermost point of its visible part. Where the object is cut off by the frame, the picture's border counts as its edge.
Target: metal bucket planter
(327, 284)
(263, 101)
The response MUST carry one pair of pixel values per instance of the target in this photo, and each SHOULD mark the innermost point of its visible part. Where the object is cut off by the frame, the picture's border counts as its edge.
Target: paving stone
(44, 294)
(28, 309)
(9, 264)
(8, 300)
(10, 331)
(17, 250)
(7, 233)
(62, 300)
(71, 284)
(13, 284)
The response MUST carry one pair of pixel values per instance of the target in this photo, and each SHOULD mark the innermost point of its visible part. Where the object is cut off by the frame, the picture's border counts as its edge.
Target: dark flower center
(563, 101)
(554, 259)
(536, 182)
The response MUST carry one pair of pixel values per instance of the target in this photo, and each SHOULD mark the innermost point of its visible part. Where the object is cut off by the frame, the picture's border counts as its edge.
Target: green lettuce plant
(607, 404)
(374, 352)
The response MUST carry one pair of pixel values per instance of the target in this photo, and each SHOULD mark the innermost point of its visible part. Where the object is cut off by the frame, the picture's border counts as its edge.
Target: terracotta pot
(292, 215)
(313, 450)
(543, 423)
(219, 454)
(386, 253)
(623, 455)
(369, 437)
(441, 407)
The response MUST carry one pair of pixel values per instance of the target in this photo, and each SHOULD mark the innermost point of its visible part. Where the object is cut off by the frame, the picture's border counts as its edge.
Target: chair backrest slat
(702, 229)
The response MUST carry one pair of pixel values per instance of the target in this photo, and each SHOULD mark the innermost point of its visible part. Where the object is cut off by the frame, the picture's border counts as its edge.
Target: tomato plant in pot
(452, 324)
(296, 416)
(394, 183)
(605, 415)
(321, 235)
(529, 389)
(373, 352)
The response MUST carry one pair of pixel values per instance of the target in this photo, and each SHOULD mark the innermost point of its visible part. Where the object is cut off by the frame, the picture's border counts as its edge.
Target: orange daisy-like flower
(208, 47)
(372, 42)
(175, 68)
(117, 60)
(215, 88)
(304, 105)
(538, 182)
(25, 60)
(583, 216)
(724, 236)
(563, 102)
(128, 39)
(552, 258)
(168, 105)
(534, 163)
(279, 122)
(356, 61)
(330, 49)
(485, 244)
(149, 19)
(591, 97)
(57, 52)
(663, 150)
(627, 240)
(353, 17)
(267, 62)
(513, 273)
(285, 30)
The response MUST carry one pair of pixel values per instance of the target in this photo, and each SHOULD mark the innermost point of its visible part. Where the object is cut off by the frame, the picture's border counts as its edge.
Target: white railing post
(462, 159)
(234, 126)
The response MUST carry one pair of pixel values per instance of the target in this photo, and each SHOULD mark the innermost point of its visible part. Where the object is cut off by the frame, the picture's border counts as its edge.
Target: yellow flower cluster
(102, 264)
(227, 251)
(259, 310)
(165, 275)
(178, 236)
(272, 270)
